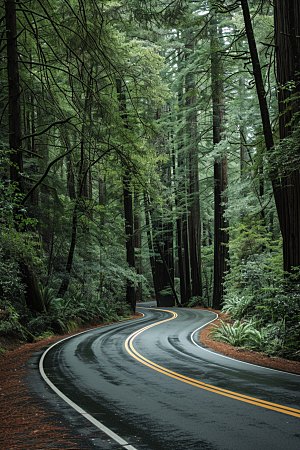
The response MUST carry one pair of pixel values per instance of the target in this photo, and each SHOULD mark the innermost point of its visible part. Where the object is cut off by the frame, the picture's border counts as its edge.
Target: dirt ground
(27, 423)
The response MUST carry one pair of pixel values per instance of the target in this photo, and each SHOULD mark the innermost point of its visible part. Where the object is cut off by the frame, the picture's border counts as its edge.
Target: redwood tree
(286, 186)
(194, 218)
(287, 44)
(128, 204)
(220, 172)
(14, 109)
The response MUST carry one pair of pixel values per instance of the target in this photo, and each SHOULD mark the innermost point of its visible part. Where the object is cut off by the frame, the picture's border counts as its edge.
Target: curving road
(152, 383)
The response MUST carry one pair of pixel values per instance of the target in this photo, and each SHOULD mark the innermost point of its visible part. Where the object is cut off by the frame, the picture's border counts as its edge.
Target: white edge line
(81, 411)
(224, 356)
(228, 357)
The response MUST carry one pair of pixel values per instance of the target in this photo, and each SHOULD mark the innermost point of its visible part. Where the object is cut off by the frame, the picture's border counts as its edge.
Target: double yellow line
(243, 398)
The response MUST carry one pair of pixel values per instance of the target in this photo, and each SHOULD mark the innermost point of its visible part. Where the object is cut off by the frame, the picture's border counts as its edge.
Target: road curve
(152, 384)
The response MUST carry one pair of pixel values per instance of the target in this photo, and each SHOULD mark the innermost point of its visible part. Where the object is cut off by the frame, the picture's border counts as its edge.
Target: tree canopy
(149, 149)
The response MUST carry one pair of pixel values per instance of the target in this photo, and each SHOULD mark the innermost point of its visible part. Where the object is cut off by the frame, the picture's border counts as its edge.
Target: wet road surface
(158, 388)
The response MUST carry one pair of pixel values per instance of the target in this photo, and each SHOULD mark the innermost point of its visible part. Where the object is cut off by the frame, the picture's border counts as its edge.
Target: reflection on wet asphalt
(153, 411)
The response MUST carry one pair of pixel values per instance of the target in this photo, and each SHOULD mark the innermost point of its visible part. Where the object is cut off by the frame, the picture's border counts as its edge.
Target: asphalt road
(158, 388)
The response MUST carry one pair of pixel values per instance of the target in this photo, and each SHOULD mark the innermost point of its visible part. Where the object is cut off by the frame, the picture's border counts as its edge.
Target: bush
(9, 320)
(257, 290)
(198, 301)
(238, 306)
(237, 334)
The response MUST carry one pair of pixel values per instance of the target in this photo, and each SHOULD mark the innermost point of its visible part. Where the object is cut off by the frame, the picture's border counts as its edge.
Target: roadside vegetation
(262, 304)
(151, 149)
(20, 318)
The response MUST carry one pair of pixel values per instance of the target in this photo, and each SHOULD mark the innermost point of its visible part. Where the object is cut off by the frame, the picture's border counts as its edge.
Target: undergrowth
(59, 315)
(263, 301)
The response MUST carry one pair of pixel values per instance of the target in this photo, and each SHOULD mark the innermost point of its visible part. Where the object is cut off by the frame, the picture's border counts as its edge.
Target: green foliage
(9, 320)
(62, 315)
(237, 334)
(72, 55)
(257, 290)
(238, 306)
(48, 297)
(197, 301)
(68, 314)
(285, 156)
(11, 286)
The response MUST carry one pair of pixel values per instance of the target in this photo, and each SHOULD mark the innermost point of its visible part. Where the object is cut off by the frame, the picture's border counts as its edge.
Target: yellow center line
(244, 398)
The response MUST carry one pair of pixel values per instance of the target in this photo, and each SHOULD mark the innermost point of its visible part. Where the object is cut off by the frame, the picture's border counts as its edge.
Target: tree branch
(45, 174)
(60, 122)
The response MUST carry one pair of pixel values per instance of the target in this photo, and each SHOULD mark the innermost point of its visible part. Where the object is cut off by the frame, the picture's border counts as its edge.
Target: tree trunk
(194, 219)
(70, 167)
(128, 207)
(220, 173)
(138, 245)
(186, 256)
(287, 42)
(150, 244)
(14, 108)
(287, 189)
(102, 189)
(70, 178)
(181, 202)
(66, 277)
(32, 295)
(129, 229)
(258, 77)
(183, 296)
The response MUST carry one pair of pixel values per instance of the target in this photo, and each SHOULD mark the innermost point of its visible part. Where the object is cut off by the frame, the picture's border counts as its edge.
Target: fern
(237, 334)
(237, 306)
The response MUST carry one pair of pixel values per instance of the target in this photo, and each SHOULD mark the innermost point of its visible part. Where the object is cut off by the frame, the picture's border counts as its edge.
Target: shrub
(198, 301)
(237, 334)
(238, 306)
(9, 320)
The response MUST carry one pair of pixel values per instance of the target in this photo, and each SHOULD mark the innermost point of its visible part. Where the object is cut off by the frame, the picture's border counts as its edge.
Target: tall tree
(32, 293)
(287, 45)
(182, 178)
(220, 168)
(138, 245)
(285, 184)
(128, 204)
(14, 92)
(194, 219)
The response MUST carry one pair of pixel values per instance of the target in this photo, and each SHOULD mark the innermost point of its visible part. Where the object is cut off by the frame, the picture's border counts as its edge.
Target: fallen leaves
(25, 423)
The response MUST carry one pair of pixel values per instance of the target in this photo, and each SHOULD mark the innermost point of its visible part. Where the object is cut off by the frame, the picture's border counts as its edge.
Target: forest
(150, 149)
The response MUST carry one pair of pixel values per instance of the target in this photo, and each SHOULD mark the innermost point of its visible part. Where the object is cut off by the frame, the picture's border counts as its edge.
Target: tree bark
(129, 230)
(258, 77)
(220, 174)
(14, 108)
(66, 277)
(287, 42)
(150, 244)
(138, 245)
(287, 188)
(128, 207)
(181, 202)
(32, 295)
(194, 219)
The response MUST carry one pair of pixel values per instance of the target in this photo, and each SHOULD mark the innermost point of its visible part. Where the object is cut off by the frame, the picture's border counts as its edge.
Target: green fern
(237, 334)
(237, 306)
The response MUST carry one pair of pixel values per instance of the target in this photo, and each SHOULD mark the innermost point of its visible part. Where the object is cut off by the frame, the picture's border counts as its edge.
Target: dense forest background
(151, 149)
